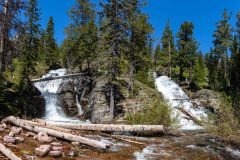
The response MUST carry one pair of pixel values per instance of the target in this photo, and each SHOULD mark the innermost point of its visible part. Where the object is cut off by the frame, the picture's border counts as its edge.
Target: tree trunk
(170, 59)
(4, 36)
(225, 65)
(58, 134)
(131, 77)
(112, 103)
(8, 153)
(108, 127)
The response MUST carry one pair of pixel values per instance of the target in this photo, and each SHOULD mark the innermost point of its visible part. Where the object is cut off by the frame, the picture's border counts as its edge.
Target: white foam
(49, 90)
(176, 99)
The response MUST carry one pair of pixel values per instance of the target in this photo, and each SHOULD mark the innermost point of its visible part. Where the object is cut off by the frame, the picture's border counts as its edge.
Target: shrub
(225, 123)
(155, 113)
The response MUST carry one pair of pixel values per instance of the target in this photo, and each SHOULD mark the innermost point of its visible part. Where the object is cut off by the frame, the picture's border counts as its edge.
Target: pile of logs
(65, 132)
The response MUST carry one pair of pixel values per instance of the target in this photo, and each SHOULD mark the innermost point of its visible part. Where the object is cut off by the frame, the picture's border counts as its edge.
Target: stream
(195, 144)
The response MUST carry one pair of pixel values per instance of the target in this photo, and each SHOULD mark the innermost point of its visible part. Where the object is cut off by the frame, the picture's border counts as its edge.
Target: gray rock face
(208, 99)
(98, 108)
(67, 98)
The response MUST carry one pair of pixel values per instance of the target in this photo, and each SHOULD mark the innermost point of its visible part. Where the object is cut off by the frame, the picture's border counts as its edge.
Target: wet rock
(55, 153)
(208, 99)
(57, 148)
(9, 139)
(16, 130)
(19, 139)
(72, 153)
(44, 138)
(67, 98)
(42, 150)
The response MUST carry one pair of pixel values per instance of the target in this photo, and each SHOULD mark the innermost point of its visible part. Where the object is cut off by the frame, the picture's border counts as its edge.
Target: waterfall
(80, 111)
(49, 91)
(177, 98)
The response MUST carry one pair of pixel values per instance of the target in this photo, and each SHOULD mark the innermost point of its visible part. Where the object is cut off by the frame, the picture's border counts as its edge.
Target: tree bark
(112, 104)
(58, 134)
(8, 153)
(4, 36)
(170, 59)
(109, 127)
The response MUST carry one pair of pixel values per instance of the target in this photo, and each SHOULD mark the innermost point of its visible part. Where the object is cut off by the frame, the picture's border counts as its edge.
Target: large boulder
(67, 98)
(208, 99)
(97, 110)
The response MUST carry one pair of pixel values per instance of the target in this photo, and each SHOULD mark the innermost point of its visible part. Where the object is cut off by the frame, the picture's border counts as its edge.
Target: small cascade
(177, 98)
(49, 91)
(80, 111)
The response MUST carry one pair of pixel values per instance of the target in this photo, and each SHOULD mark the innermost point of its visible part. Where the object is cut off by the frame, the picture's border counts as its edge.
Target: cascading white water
(49, 90)
(177, 98)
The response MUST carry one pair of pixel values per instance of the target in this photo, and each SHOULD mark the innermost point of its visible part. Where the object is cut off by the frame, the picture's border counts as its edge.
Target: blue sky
(203, 13)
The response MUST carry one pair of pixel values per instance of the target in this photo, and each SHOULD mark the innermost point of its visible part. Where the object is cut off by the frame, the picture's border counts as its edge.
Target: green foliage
(51, 50)
(200, 73)
(31, 39)
(15, 76)
(155, 112)
(187, 48)
(222, 42)
(225, 123)
(82, 36)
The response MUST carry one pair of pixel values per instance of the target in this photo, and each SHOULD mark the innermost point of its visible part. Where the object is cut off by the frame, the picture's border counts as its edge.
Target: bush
(225, 123)
(155, 113)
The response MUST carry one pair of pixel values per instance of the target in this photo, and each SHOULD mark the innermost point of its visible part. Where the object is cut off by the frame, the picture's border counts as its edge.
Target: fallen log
(8, 153)
(109, 127)
(190, 116)
(123, 139)
(58, 134)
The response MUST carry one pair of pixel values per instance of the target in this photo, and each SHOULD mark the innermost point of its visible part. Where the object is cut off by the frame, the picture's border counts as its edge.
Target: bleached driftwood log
(108, 127)
(58, 134)
(8, 153)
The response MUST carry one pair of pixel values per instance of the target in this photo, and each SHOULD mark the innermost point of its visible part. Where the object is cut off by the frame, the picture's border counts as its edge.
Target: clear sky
(203, 13)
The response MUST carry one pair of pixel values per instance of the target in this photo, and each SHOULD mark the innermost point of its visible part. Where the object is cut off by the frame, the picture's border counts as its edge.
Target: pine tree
(235, 67)
(51, 56)
(168, 47)
(212, 65)
(222, 43)
(31, 39)
(200, 73)
(139, 30)
(81, 35)
(157, 56)
(112, 43)
(187, 48)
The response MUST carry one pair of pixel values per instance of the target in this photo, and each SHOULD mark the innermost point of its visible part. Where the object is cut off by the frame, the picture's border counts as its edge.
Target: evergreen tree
(139, 30)
(200, 73)
(157, 56)
(51, 56)
(235, 67)
(168, 47)
(81, 35)
(112, 43)
(31, 39)
(212, 63)
(222, 43)
(187, 48)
